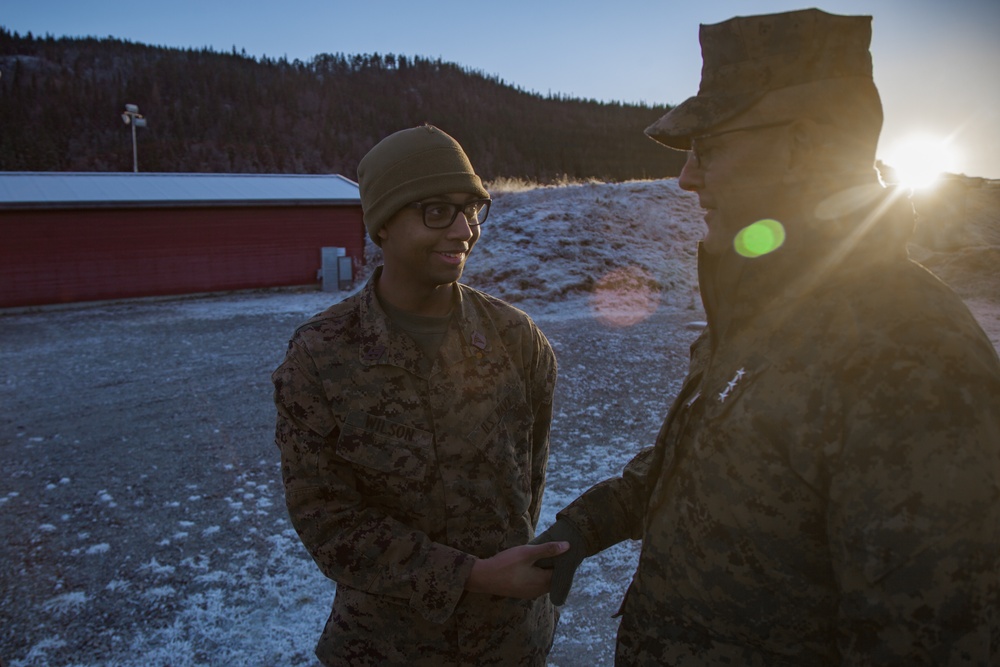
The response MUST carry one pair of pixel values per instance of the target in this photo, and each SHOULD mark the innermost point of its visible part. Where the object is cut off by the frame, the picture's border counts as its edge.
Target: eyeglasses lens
(438, 215)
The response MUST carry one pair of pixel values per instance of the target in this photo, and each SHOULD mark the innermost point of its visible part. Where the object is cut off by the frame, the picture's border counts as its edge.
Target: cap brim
(696, 115)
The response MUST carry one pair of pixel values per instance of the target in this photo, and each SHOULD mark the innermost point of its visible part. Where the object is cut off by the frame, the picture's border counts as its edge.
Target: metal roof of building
(106, 189)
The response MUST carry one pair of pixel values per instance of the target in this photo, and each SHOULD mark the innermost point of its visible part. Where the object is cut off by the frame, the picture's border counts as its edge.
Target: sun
(918, 160)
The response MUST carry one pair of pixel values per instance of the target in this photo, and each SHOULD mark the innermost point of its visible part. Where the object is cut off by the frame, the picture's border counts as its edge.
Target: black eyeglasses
(441, 214)
(701, 154)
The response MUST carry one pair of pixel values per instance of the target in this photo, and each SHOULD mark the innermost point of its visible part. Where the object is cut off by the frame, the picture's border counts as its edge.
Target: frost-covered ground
(141, 506)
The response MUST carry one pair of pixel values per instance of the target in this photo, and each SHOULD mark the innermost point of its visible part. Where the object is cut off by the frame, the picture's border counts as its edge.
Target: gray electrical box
(330, 262)
(345, 272)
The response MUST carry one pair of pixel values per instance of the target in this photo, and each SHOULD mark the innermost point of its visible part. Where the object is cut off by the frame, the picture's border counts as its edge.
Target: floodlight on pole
(131, 116)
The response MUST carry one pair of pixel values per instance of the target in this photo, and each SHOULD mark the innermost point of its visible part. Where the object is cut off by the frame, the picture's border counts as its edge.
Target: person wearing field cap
(825, 488)
(413, 425)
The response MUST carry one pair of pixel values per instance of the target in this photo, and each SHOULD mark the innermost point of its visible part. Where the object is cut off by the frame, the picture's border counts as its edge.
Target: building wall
(60, 256)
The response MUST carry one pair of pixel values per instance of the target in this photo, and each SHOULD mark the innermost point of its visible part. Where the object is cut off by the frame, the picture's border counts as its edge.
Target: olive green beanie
(408, 166)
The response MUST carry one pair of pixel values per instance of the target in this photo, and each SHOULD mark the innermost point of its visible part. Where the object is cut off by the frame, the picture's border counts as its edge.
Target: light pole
(132, 117)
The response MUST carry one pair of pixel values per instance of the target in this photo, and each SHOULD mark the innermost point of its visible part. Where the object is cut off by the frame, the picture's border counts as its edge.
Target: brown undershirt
(427, 332)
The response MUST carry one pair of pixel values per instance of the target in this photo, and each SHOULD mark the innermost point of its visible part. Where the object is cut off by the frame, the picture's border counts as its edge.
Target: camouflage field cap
(408, 166)
(746, 57)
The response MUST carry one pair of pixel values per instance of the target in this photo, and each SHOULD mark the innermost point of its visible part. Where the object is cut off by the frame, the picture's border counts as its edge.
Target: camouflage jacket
(396, 479)
(825, 487)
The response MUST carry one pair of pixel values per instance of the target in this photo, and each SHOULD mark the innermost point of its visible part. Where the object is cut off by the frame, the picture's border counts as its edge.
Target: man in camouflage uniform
(413, 424)
(825, 488)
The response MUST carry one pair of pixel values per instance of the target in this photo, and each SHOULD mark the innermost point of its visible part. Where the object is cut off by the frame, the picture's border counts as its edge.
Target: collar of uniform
(469, 333)
(736, 289)
(474, 331)
(374, 342)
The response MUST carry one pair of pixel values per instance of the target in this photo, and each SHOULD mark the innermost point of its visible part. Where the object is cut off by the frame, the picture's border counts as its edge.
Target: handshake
(544, 565)
(564, 565)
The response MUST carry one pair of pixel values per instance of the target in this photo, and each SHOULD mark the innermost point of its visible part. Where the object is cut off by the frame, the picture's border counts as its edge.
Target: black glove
(564, 565)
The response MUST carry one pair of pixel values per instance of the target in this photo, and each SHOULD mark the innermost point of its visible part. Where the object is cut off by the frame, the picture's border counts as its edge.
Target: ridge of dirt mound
(638, 239)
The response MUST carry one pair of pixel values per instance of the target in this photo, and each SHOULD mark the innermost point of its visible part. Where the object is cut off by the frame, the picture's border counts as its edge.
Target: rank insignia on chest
(732, 384)
(373, 353)
(478, 340)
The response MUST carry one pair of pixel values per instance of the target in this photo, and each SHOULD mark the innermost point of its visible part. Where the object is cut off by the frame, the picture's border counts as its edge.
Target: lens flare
(760, 238)
(624, 297)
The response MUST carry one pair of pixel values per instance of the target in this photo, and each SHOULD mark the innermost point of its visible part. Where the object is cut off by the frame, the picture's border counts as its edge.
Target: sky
(935, 62)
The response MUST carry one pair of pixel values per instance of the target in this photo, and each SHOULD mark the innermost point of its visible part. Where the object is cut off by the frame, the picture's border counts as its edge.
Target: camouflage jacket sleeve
(612, 511)
(351, 540)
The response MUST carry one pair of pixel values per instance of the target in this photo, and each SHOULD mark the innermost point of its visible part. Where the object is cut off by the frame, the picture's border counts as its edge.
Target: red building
(68, 237)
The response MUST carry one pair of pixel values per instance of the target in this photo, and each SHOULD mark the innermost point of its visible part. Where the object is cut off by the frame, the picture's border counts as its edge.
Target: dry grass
(507, 184)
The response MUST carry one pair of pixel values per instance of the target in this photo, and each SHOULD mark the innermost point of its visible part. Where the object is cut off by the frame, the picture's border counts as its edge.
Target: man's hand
(564, 566)
(512, 573)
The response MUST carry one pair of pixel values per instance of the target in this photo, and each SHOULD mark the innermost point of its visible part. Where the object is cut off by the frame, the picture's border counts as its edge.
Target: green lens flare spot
(760, 238)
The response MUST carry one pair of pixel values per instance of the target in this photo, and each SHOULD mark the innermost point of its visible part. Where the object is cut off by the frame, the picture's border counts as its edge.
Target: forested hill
(206, 111)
